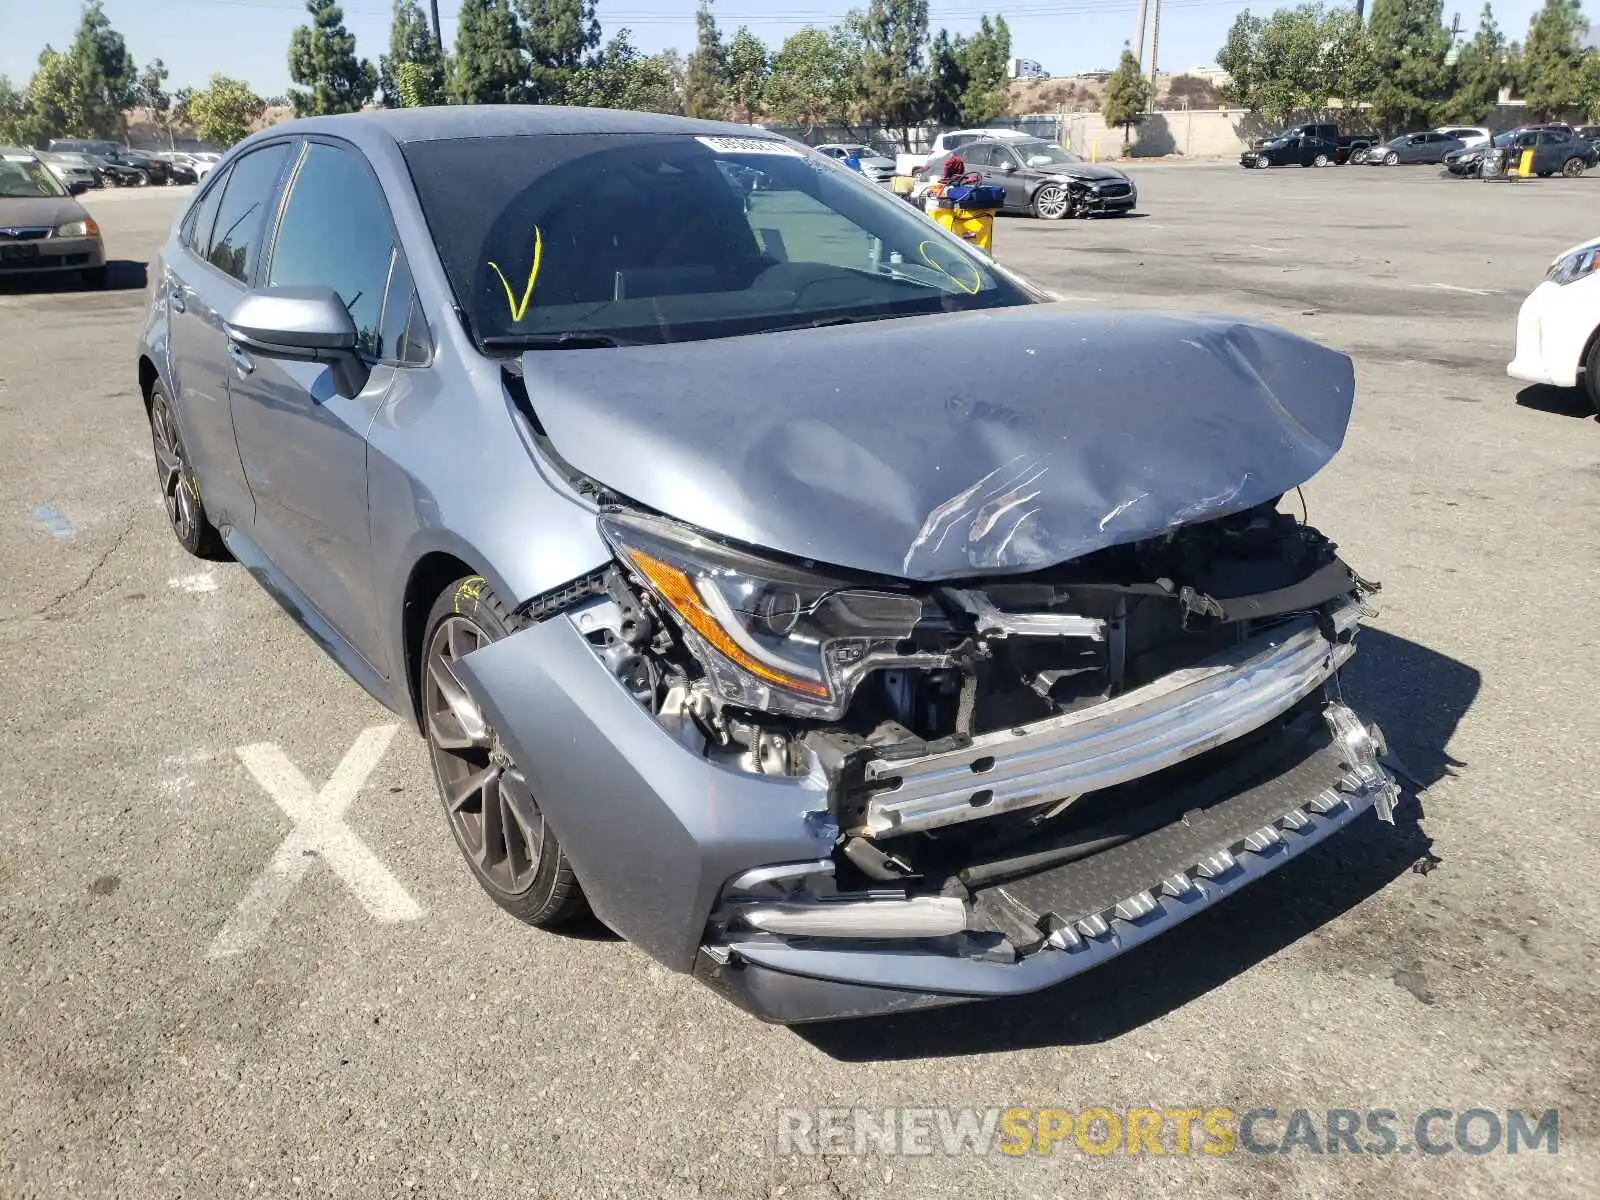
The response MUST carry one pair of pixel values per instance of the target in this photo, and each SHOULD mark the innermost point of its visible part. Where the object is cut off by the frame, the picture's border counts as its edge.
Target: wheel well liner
(147, 379)
(432, 573)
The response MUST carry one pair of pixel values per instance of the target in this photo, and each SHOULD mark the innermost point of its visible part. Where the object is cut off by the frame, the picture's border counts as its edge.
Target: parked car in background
(157, 169)
(42, 227)
(1589, 133)
(71, 169)
(858, 699)
(1467, 135)
(1291, 150)
(1411, 148)
(1556, 150)
(875, 164)
(99, 147)
(1558, 327)
(117, 173)
(1041, 178)
(1345, 147)
(179, 166)
(908, 164)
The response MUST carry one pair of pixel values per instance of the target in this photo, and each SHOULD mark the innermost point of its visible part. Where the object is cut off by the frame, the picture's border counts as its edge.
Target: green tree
(558, 36)
(620, 76)
(706, 83)
(52, 107)
(181, 101)
(1127, 97)
(947, 78)
(488, 67)
(1480, 72)
(748, 68)
(1296, 61)
(322, 58)
(1409, 44)
(152, 96)
(895, 90)
(13, 111)
(1555, 75)
(411, 45)
(987, 93)
(813, 79)
(103, 76)
(223, 110)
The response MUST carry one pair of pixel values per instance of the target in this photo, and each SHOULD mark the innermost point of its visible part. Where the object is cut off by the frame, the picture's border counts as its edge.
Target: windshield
(668, 237)
(24, 175)
(1045, 155)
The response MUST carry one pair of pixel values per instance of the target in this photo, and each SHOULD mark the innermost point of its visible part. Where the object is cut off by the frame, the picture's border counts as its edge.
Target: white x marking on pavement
(319, 830)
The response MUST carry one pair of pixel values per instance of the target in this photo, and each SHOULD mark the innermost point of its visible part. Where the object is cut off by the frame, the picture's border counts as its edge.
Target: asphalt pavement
(239, 954)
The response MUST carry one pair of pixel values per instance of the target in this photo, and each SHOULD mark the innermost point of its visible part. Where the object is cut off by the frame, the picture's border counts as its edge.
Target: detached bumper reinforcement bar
(1143, 731)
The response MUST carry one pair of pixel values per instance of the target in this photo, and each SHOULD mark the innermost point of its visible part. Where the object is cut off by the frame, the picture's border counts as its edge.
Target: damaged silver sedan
(792, 587)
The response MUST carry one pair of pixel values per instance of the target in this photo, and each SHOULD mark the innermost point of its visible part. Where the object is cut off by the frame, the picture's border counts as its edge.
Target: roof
(502, 120)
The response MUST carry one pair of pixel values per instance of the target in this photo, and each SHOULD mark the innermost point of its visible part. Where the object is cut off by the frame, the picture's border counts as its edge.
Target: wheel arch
(1588, 349)
(429, 576)
(148, 375)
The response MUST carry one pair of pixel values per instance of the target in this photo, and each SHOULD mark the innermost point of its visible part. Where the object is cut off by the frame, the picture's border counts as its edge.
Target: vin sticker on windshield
(750, 145)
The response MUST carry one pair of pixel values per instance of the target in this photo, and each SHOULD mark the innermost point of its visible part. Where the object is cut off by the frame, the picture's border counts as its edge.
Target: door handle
(175, 294)
(242, 361)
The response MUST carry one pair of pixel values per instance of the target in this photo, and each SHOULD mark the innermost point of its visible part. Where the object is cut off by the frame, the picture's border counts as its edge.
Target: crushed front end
(854, 796)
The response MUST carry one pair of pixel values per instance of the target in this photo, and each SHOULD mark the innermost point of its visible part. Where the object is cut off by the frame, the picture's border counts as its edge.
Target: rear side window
(236, 238)
(335, 233)
(197, 230)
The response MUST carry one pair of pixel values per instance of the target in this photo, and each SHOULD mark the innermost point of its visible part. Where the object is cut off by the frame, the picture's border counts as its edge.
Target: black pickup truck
(1318, 144)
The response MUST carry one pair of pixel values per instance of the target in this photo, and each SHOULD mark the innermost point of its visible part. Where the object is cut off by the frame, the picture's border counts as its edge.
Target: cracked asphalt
(1446, 963)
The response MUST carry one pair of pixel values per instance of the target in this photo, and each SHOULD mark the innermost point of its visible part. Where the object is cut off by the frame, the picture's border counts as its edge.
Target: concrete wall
(1193, 133)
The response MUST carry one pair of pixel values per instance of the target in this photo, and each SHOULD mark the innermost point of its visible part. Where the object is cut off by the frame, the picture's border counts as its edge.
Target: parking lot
(200, 997)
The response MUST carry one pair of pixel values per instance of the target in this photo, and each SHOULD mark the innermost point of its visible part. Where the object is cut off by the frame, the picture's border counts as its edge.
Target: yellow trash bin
(975, 225)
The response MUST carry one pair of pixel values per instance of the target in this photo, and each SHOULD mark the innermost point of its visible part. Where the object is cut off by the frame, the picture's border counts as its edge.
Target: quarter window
(236, 240)
(336, 233)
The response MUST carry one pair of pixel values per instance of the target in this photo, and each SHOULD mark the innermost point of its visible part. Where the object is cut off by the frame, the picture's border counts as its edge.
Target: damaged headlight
(770, 636)
(1575, 265)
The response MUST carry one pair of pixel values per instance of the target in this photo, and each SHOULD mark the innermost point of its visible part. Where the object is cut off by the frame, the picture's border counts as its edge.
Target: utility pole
(1138, 33)
(438, 33)
(1155, 45)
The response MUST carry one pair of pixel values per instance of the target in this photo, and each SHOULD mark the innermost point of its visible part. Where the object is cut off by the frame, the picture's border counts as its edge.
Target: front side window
(335, 233)
(1047, 156)
(241, 217)
(670, 237)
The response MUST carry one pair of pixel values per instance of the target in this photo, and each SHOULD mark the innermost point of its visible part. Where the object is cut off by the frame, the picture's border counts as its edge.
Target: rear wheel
(1051, 203)
(1320, 160)
(141, 179)
(492, 812)
(1572, 168)
(180, 490)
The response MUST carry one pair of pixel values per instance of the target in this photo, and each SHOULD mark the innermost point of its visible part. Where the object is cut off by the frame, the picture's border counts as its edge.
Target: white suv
(1558, 329)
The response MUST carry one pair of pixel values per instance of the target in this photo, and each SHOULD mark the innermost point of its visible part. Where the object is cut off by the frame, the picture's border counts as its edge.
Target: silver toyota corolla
(793, 587)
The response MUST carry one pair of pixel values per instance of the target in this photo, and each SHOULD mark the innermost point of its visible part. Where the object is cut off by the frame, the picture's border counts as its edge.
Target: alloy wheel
(1051, 202)
(490, 806)
(179, 491)
(1572, 168)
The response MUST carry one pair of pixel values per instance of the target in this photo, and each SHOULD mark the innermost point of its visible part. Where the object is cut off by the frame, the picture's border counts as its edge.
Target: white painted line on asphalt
(319, 830)
(1268, 249)
(1450, 287)
(200, 581)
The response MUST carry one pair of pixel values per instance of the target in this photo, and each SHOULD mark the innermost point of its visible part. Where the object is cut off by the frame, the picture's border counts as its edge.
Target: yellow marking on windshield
(518, 311)
(977, 279)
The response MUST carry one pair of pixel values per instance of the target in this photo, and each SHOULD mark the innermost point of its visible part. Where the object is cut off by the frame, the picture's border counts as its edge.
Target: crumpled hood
(1086, 171)
(987, 442)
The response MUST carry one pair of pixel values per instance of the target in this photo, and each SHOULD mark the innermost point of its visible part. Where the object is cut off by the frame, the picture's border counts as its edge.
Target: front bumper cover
(655, 831)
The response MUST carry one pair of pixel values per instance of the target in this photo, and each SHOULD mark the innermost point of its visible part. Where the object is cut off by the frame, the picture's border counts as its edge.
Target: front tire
(1051, 202)
(1320, 160)
(1572, 168)
(1391, 159)
(1359, 155)
(180, 488)
(511, 851)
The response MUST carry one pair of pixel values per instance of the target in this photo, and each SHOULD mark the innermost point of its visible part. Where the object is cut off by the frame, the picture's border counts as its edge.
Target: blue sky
(249, 38)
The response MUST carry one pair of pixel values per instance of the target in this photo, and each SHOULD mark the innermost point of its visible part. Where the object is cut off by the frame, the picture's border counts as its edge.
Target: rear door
(204, 278)
(303, 445)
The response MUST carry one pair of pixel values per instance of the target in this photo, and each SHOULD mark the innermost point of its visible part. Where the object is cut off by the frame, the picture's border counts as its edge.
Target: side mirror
(1008, 166)
(302, 324)
(77, 187)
